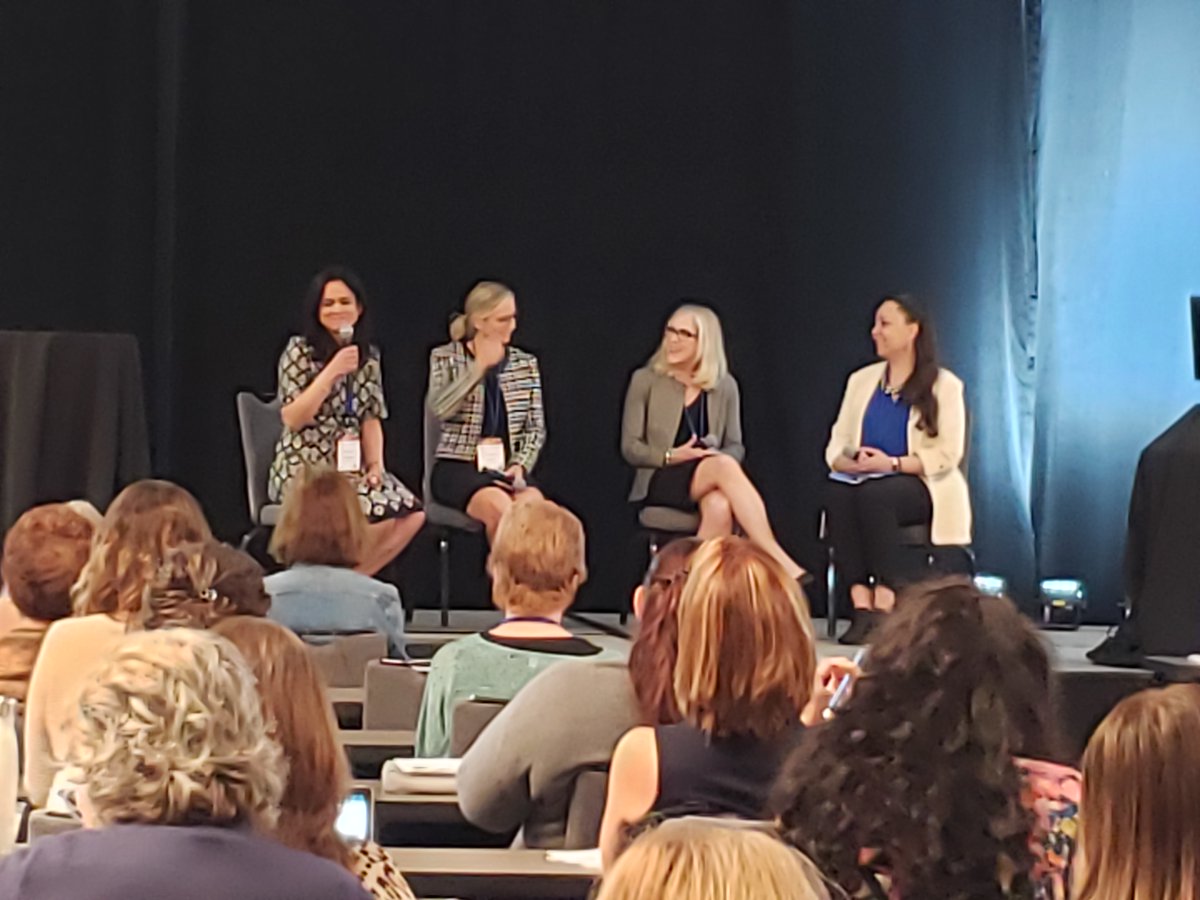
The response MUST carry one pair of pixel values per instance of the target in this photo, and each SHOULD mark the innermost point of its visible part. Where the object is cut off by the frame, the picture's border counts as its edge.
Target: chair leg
(444, 577)
(831, 597)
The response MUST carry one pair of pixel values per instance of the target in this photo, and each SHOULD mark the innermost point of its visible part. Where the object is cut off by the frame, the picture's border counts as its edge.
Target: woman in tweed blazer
(483, 389)
(682, 433)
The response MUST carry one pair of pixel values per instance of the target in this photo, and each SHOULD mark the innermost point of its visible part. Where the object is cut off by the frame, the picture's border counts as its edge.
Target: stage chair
(393, 696)
(260, 426)
(661, 525)
(444, 520)
(468, 720)
(342, 659)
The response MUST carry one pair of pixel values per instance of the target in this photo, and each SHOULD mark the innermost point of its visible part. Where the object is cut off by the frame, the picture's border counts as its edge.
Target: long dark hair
(323, 344)
(918, 389)
(919, 766)
(652, 657)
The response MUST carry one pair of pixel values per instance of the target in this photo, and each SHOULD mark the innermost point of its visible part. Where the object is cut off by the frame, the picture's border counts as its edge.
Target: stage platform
(1085, 692)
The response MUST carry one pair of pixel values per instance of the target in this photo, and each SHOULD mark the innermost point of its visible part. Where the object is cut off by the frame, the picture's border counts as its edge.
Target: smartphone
(354, 819)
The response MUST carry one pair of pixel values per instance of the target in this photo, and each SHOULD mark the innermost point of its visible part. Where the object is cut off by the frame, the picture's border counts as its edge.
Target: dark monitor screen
(1196, 337)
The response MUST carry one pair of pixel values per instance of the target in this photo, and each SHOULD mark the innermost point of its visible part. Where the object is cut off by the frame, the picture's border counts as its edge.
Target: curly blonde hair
(144, 520)
(171, 732)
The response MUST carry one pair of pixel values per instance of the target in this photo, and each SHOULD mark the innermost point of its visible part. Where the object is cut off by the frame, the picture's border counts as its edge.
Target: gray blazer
(653, 406)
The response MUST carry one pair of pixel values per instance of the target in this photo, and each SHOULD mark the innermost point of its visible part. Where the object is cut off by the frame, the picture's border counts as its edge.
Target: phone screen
(354, 818)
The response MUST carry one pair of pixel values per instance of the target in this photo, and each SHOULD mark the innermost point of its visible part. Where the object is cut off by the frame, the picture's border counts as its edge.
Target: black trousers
(864, 524)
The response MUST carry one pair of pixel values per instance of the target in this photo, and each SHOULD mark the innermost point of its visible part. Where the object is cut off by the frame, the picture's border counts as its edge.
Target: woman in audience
(321, 536)
(894, 455)
(743, 680)
(182, 780)
(294, 701)
(488, 396)
(522, 771)
(331, 388)
(140, 525)
(931, 781)
(44, 552)
(682, 431)
(692, 859)
(199, 585)
(1139, 834)
(537, 565)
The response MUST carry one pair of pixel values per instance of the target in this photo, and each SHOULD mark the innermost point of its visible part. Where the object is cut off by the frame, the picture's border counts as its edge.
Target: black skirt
(672, 486)
(454, 482)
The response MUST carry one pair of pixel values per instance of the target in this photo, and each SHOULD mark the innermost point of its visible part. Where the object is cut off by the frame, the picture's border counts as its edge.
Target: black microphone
(345, 336)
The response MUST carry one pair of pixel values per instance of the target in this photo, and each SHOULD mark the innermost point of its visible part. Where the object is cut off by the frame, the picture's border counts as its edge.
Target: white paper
(584, 859)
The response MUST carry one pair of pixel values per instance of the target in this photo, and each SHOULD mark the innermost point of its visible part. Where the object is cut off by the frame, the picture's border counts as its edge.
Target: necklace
(888, 390)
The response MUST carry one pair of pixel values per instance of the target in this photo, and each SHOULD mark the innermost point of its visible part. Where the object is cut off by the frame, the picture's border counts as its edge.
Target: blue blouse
(885, 424)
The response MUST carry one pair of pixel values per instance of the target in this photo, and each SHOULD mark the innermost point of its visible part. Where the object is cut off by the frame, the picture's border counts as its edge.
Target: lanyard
(494, 399)
(699, 428)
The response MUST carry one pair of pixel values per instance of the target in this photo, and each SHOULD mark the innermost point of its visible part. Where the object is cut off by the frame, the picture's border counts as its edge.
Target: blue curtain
(1118, 225)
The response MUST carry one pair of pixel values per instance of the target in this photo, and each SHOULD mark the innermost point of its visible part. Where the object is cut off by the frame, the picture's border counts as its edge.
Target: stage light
(1063, 601)
(992, 585)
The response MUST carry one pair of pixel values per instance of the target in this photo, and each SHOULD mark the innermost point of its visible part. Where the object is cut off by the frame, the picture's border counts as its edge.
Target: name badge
(349, 453)
(489, 455)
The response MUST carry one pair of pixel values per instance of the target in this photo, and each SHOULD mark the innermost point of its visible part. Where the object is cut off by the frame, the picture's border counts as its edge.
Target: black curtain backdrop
(179, 169)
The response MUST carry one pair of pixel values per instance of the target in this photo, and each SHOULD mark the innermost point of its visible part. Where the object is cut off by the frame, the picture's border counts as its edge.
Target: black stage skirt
(672, 486)
(454, 482)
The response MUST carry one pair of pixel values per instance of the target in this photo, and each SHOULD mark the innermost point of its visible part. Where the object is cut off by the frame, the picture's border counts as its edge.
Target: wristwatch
(895, 464)
(667, 458)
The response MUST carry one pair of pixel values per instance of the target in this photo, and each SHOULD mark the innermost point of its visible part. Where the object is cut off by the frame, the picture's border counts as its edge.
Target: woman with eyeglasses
(682, 433)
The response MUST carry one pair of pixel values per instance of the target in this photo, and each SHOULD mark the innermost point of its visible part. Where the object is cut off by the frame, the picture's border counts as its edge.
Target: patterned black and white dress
(316, 443)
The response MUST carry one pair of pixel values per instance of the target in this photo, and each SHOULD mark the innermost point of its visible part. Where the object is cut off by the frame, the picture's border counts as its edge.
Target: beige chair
(469, 719)
(392, 698)
(342, 659)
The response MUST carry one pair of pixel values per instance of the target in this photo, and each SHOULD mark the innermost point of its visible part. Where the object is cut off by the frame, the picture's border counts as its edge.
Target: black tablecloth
(72, 418)
(1162, 554)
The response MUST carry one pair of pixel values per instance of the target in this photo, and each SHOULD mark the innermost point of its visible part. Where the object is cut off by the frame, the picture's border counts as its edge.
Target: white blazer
(940, 456)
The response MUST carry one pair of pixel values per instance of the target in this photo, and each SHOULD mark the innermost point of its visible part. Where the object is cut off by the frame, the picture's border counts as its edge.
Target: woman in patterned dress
(331, 386)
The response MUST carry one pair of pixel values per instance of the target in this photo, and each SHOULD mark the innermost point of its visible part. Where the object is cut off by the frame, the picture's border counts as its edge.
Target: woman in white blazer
(894, 456)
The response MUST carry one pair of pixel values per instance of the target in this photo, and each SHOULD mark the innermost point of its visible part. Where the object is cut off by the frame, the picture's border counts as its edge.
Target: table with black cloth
(72, 418)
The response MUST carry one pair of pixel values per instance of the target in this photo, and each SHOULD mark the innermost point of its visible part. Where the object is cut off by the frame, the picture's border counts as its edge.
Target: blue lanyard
(493, 399)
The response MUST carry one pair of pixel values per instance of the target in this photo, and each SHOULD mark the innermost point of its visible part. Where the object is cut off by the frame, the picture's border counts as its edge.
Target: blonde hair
(301, 716)
(690, 859)
(144, 520)
(537, 561)
(171, 732)
(321, 523)
(746, 649)
(711, 364)
(481, 300)
(1139, 833)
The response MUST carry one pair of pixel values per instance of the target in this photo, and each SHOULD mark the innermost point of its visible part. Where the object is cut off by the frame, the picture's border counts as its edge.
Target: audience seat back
(469, 719)
(342, 659)
(393, 697)
(586, 809)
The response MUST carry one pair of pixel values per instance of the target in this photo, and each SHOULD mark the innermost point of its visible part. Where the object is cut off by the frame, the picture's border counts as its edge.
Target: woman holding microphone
(682, 433)
(488, 396)
(894, 455)
(331, 388)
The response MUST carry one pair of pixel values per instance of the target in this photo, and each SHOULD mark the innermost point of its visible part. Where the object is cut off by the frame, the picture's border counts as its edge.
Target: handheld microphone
(345, 334)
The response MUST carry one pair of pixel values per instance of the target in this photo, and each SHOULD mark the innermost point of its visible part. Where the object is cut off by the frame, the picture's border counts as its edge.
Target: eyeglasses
(672, 331)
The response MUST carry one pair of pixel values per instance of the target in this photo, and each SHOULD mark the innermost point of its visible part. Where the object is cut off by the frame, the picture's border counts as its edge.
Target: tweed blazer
(940, 456)
(456, 398)
(653, 407)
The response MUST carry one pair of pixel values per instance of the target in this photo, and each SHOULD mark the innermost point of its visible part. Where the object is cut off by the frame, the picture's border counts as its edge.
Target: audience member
(931, 781)
(521, 773)
(44, 552)
(144, 520)
(320, 537)
(172, 734)
(537, 565)
(294, 701)
(1139, 833)
(696, 859)
(744, 677)
(199, 585)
